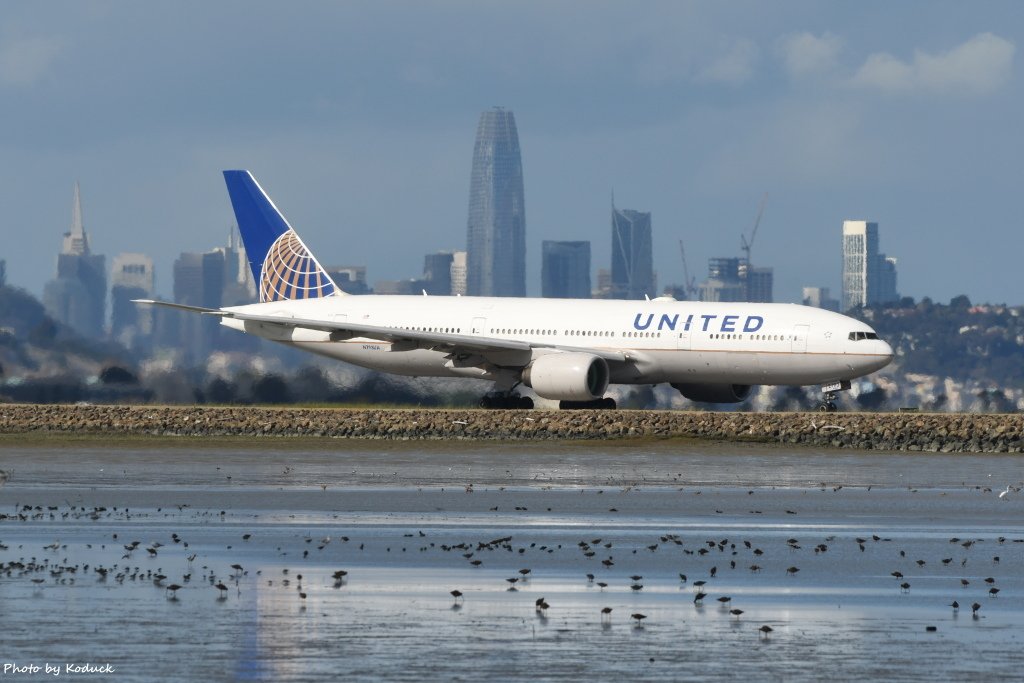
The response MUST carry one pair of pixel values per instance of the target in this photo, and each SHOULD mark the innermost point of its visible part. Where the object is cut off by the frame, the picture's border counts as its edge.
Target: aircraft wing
(438, 341)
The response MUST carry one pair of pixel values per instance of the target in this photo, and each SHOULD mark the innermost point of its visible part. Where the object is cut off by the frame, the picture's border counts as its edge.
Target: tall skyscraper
(78, 295)
(869, 277)
(565, 270)
(632, 258)
(131, 278)
(496, 233)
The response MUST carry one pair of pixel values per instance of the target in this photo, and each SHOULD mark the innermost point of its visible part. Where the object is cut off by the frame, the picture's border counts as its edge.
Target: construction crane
(689, 283)
(747, 245)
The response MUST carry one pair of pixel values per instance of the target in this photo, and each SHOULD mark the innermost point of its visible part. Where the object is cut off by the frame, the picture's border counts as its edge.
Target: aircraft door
(479, 326)
(800, 338)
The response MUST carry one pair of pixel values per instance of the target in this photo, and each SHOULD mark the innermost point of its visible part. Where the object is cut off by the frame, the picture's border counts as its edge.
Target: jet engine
(567, 376)
(714, 393)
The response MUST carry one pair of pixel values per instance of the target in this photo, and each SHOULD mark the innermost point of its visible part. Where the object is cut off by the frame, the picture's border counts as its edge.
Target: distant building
(349, 279)
(869, 277)
(604, 284)
(820, 297)
(239, 286)
(131, 278)
(199, 281)
(733, 279)
(723, 282)
(458, 272)
(437, 273)
(77, 297)
(565, 270)
(632, 255)
(408, 287)
(496, 230)
(758, 283)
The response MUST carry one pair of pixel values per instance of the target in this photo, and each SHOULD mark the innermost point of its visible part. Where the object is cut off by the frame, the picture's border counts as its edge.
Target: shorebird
(765, 630)
(639, 617)
(955, 605)
(736, 613)
(174, 588)
(606, 614)
(4, 476)
(792, 570)
(992, 592)
(724, 599)
(699, 597)
(1002, 496)
(223, 590)
(974, 609)
(457, 594)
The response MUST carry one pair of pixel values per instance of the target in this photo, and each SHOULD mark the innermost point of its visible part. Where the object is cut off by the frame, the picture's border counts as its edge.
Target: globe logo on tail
(290, 272)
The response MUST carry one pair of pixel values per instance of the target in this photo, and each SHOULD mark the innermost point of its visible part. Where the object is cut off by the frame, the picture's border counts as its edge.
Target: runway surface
(803, 542)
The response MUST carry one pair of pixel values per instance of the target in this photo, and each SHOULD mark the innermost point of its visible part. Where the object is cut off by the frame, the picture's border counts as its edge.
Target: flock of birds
(708, 560)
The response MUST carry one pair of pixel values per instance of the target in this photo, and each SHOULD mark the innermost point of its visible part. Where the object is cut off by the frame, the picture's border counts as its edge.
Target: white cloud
(23, 62)
(733, 67)
(805, 54)
(980, 65)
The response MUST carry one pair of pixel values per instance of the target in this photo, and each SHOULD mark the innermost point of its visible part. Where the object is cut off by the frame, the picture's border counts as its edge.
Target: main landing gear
(506, 402)
(828, 396)
(598, 404)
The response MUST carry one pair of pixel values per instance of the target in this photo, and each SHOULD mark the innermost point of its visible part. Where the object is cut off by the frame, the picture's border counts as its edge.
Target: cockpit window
(857, 336)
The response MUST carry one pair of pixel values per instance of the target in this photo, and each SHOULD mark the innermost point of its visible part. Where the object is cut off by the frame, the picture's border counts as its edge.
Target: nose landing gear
(828, 396)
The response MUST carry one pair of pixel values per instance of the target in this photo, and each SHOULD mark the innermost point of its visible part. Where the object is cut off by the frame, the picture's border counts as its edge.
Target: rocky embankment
(875, 431)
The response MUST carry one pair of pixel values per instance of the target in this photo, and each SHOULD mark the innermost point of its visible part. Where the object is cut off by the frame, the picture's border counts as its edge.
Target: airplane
(569, 350)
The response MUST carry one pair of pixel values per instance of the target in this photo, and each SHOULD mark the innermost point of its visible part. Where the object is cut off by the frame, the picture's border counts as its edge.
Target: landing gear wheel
(827, 407)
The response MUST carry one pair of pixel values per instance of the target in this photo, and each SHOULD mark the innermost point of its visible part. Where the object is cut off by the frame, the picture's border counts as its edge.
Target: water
(400, 518)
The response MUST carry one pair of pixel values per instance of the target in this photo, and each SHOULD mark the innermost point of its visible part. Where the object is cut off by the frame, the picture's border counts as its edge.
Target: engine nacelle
(567, 376)
(714, 393)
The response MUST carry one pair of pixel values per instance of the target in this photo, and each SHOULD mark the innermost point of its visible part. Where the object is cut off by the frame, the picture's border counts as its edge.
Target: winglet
(281, 263)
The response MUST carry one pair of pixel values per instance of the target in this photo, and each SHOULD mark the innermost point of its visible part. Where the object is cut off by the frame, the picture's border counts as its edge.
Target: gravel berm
(930, 432)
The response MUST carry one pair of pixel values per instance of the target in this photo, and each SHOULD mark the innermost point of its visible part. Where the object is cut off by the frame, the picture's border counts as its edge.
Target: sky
(358, 118)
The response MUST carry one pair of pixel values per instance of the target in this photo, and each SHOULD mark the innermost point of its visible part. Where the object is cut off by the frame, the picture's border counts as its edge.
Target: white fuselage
(664, 340)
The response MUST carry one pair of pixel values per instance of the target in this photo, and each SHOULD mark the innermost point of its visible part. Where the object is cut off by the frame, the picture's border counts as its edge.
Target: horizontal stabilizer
(180, 307)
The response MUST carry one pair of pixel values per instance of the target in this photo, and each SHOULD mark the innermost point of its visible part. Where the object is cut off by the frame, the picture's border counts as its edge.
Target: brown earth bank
(931, 432)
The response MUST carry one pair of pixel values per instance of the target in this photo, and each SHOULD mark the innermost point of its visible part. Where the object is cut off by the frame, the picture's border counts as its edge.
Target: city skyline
(691, 111)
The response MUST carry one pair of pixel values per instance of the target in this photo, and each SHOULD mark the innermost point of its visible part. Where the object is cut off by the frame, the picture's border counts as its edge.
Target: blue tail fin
(282, 265)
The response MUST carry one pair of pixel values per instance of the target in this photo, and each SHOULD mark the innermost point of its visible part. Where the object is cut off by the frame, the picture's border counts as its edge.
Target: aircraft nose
(887, 352)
